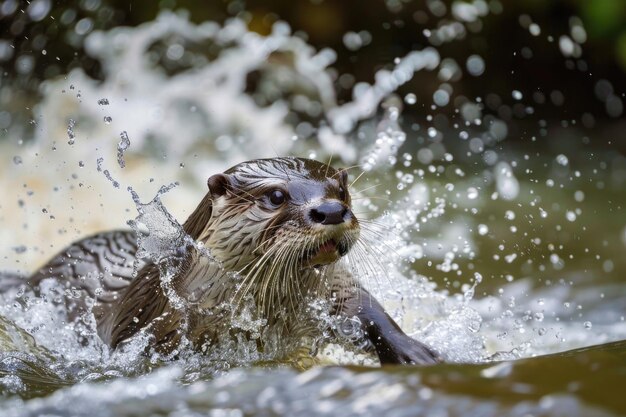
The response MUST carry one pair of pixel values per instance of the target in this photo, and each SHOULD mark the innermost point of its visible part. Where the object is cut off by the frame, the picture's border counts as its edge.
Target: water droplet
(441, 98)
(122, 146)
(70, 131)
(587, 325)
(108, 119)
(19, 249)
(579, 196)
(475, 65)
(534, 29)
(103, 102)
(17, 160)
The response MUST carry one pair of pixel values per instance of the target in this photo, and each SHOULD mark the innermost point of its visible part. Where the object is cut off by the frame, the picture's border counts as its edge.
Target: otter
(278, 231)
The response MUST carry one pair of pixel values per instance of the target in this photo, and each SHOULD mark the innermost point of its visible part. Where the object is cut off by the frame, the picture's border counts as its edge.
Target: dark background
(396, 27)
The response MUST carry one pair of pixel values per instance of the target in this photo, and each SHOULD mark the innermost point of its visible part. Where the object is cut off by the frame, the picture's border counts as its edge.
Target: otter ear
(219, 184)
(343, 176)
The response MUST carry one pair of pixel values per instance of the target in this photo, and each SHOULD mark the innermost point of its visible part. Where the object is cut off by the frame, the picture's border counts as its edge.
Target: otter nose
(329, 212)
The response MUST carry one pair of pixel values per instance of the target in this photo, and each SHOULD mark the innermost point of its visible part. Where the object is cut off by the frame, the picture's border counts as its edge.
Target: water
(498, 256)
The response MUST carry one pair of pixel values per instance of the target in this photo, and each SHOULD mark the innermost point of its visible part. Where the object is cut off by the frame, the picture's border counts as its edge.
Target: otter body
(278, 230)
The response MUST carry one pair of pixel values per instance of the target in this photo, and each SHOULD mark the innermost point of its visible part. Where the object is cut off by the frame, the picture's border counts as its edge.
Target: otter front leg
(392, 345)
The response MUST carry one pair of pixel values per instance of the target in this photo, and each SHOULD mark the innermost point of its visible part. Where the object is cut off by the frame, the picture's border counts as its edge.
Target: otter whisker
(233, 187)
(372, 198)
(380, 238)
(250, 277)
(328, 165)
(268, 283)
(356, 179)
(366, 189)
(371, 260)
(346, 169)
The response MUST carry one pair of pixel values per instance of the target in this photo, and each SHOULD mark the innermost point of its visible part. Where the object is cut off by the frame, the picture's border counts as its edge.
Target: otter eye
(277, 197)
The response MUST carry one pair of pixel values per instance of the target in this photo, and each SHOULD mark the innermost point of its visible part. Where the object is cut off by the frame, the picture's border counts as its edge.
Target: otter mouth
(327, 252)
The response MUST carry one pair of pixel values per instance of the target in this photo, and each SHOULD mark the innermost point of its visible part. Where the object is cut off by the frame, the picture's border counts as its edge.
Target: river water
(506, 257)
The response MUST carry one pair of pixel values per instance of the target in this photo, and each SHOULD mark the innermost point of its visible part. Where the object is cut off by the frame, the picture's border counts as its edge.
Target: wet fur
(264, 245)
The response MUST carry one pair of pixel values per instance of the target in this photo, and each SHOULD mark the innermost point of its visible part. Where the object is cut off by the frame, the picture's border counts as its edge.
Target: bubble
(475, 65)
(570, 216)
(83, 26)
(425, 156)
(38, 10)
(107, 120)
(476, 145)
(510, 258)
(471, 112)
(614, 106)
(517, 95)
(17, 160)
(472, 193)
(24, 64)
(557, 98)
(490, 157)
(587, 325)
(410, 98)
(103, 102)
(498, 129)
(534, 29)
(224, 142)
(562, 160)
(175, 52)
(483, 229)
(441, 98)
(566, 45)
(509, 215)
(506, 184)
(449, 70)
(603, 89)
(579, 196)
(352, 41)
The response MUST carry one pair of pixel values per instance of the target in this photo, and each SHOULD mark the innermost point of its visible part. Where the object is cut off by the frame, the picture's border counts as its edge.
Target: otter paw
(401, 349)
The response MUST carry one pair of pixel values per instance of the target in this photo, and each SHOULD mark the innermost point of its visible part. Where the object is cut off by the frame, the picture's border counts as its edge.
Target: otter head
(280, 211)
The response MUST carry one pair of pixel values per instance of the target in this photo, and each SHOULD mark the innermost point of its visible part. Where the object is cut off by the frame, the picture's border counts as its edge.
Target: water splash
(106, 172)
(446, 213)
(70, 131)
(367, 97)
(122, 146)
